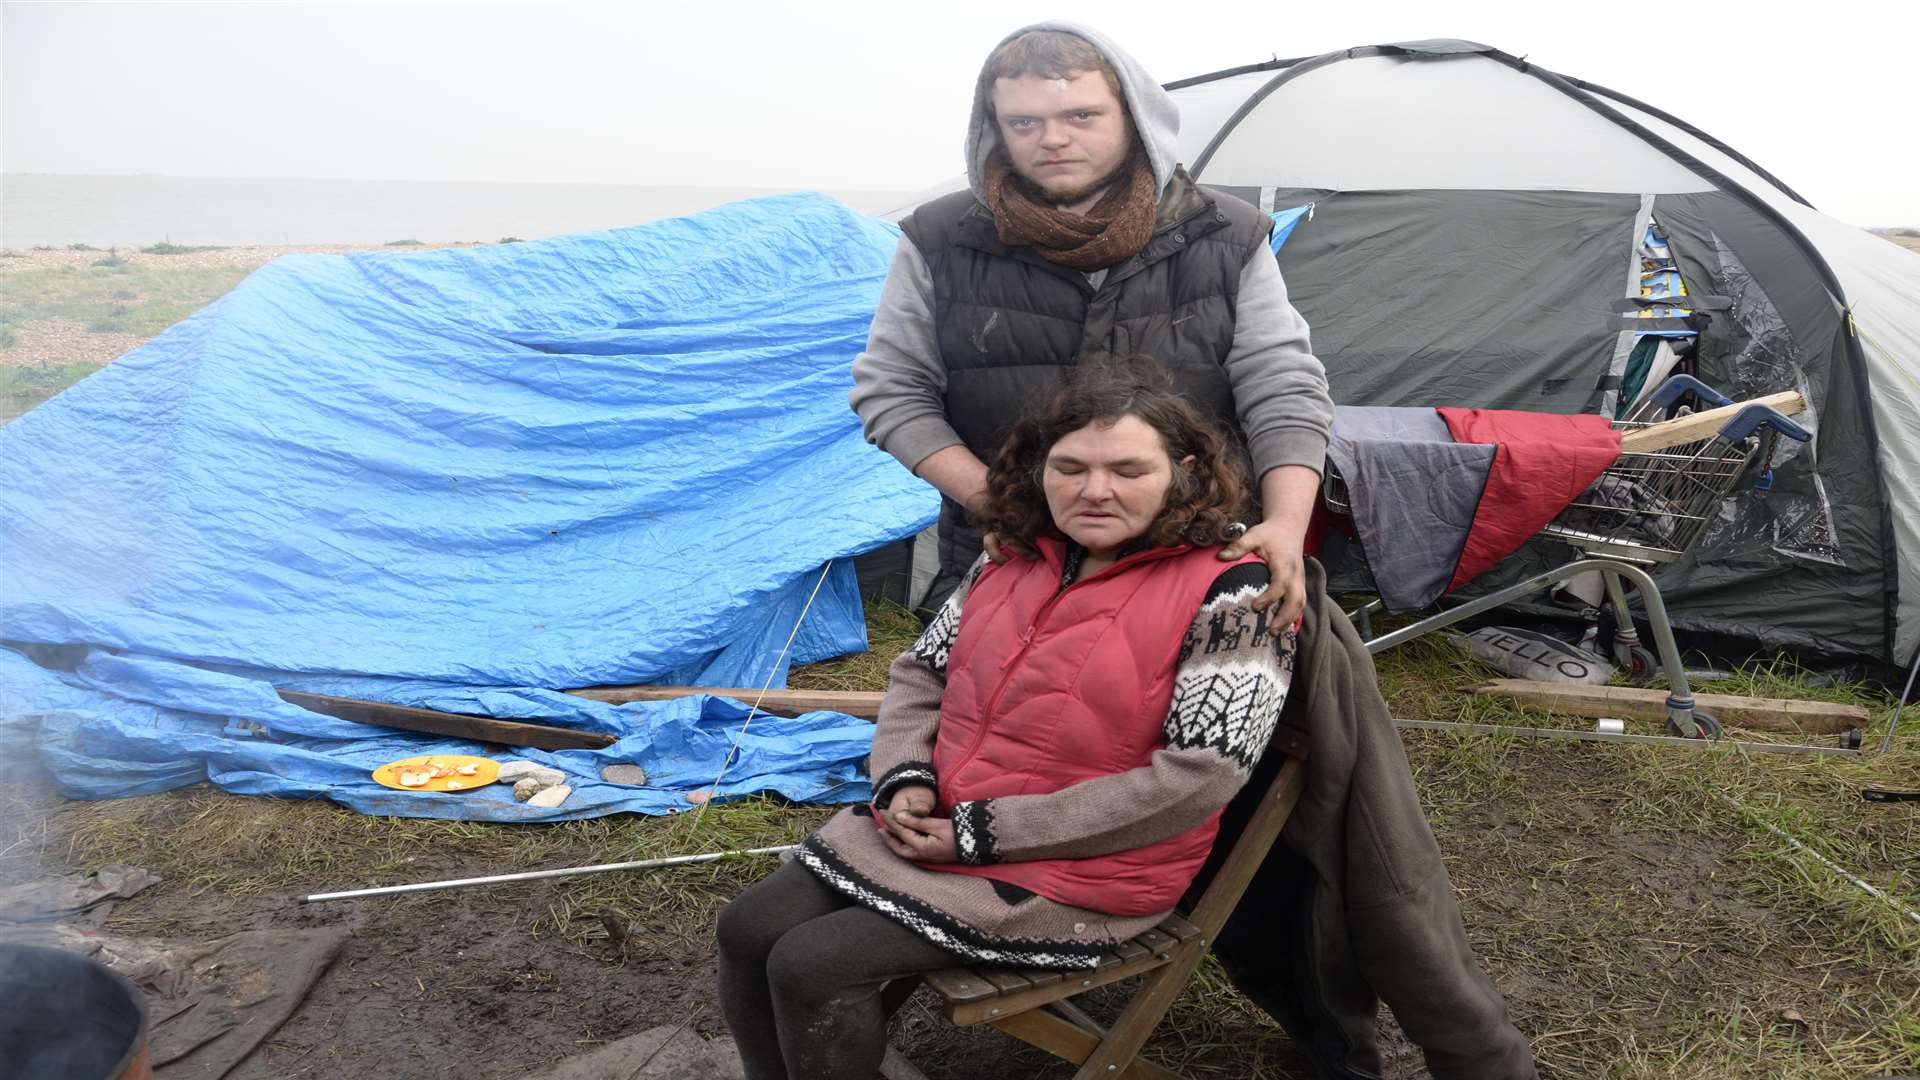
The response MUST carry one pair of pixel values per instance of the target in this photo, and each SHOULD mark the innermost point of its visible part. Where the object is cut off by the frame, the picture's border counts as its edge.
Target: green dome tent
(1484, 232)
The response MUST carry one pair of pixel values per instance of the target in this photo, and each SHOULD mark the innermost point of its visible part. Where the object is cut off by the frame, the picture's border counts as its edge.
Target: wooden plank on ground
(864, 704)
(1732, 710)
(455, 725)
(1703, 425)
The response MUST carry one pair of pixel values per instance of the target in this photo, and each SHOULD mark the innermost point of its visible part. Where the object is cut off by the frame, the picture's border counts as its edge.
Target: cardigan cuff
(902, 775)
(973, 832)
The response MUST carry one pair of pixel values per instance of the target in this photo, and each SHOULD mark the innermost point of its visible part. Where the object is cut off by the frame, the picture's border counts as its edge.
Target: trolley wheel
(1706, 727)
(1639, 662)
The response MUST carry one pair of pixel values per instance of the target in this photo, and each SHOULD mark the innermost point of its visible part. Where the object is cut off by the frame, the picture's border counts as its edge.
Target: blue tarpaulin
(461, 479)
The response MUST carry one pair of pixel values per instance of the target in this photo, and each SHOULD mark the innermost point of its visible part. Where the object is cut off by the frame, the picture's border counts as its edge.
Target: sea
(40, 209)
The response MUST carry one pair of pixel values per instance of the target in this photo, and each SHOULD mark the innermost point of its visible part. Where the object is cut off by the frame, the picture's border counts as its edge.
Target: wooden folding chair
(1035, 1006)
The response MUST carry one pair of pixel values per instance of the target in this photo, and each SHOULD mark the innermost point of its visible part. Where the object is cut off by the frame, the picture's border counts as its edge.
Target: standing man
(1079, 233)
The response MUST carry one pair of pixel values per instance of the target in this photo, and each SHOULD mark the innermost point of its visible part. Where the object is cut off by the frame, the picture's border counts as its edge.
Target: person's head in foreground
(1117, 462)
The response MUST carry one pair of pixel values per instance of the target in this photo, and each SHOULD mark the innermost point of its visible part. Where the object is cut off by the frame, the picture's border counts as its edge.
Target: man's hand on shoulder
(1001, 550)
(1279, 543)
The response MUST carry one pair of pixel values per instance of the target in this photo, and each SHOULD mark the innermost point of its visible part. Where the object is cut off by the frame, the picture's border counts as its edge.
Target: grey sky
(846, 95)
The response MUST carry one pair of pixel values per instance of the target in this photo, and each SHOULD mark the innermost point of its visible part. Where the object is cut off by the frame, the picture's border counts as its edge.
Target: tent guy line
(779, 665)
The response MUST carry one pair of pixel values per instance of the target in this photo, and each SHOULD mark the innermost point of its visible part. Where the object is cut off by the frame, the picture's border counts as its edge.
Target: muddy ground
(1628, 943)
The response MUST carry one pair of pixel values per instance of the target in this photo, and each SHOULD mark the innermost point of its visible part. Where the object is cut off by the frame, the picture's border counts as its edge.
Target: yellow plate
(487, 772)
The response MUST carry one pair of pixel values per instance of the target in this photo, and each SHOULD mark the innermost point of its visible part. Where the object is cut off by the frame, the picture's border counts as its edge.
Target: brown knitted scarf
(1114, 230)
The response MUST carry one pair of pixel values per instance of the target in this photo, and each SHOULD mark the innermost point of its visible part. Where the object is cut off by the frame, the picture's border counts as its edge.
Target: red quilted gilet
(1048, 687)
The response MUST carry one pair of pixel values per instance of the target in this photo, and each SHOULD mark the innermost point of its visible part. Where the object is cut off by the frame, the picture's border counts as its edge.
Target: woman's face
(1106, 483)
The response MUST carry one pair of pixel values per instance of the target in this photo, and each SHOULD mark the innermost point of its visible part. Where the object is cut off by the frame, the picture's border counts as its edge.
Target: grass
(890, 629)
(168, 247)
(23, 386)
(1640, 918)
(113, 295)
(406, 243)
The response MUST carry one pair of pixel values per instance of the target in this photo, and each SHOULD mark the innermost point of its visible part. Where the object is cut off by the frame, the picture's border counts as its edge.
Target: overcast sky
(850, 95)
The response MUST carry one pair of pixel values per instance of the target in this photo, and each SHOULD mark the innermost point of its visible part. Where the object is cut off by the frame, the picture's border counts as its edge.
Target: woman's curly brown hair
(1205, 500)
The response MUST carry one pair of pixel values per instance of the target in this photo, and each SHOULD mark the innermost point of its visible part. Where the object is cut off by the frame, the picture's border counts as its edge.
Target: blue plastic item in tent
(472, 476)
(1284, 221)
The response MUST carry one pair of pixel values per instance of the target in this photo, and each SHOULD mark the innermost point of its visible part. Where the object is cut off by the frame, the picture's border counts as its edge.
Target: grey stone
(624, 774)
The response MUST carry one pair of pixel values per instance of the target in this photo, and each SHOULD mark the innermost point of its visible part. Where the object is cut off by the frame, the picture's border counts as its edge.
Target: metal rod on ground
(537, 875)
(1822, 859)
(1644, 740)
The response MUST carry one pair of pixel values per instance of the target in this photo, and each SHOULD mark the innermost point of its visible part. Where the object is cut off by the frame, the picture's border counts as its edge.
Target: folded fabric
(1440, 495)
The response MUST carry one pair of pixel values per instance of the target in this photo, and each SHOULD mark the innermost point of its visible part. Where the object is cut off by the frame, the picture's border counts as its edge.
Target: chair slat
(1005, 980)
(959, 985)
(1178, 928)
(1157, 943)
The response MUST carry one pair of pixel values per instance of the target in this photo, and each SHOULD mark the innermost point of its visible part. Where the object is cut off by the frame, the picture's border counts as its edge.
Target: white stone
(552, 796)
(511, 771)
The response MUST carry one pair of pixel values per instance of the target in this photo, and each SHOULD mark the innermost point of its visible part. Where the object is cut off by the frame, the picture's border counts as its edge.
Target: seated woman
(1053, 753)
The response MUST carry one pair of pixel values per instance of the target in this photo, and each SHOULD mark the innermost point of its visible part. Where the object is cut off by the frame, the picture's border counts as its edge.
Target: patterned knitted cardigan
(991, 922)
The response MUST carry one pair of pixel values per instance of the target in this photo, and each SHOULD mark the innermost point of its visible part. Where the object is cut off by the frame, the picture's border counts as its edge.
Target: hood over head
(1156, 119)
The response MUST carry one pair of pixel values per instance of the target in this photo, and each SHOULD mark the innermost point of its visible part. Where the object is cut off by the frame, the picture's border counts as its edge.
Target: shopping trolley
(1646, 510)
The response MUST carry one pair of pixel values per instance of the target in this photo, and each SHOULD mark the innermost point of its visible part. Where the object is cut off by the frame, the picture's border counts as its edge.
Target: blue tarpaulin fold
(460, 479)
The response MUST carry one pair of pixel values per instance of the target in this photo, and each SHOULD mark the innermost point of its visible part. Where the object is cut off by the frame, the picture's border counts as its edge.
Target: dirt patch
(1627, 946)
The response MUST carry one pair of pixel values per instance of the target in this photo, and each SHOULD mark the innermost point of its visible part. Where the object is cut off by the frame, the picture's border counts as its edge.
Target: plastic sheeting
(461, 479)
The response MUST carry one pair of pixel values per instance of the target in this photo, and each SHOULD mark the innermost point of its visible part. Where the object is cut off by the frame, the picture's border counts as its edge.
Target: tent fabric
(1454, 260)
(471, 475)
(1385, 123)
(1420, 298)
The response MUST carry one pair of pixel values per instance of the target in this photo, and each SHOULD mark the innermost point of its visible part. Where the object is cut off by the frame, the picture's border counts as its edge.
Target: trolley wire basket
(1647, 509)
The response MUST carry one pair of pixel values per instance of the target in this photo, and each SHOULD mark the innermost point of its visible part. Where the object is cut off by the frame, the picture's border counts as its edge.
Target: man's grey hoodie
(1279, 386)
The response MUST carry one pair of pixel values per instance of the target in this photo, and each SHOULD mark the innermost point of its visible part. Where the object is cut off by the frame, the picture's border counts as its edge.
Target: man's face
(1068, 137)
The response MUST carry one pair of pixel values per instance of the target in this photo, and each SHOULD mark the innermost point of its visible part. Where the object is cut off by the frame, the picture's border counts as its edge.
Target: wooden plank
(1005, 980)
(1157, 943)
(1131, 950)
(1250, 850)
(864, 704)
(1178, 928)
(1143, 1013)
(959, 986)
(1703, 425)
(1640, 703)
(457, 725)
(1067, 1042)
(994, 1007)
